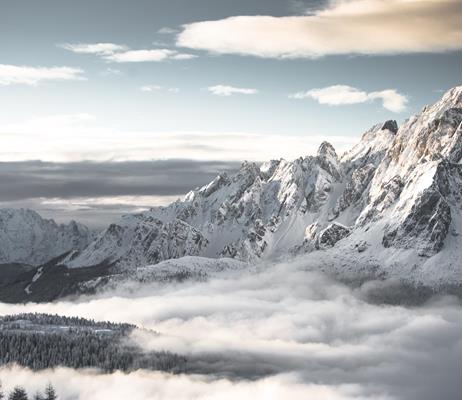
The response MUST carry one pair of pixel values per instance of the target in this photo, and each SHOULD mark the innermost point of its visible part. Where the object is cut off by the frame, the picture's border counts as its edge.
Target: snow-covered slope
(258, 212)
(27, 238)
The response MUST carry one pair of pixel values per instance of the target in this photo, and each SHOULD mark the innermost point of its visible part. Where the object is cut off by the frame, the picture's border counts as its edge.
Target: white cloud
(153, 55)
(79, 137)
(21, 74)
(151, 88)
(225, 90)
(93, 48)
(344, 27)
(123, 54)
(111, 71)
(343, 95)
(158, 88)
(167, 31)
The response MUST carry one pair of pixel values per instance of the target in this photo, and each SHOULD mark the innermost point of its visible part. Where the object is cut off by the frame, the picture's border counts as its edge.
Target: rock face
(27, 238)
(139, 240)
(330, 235)
(394, 199)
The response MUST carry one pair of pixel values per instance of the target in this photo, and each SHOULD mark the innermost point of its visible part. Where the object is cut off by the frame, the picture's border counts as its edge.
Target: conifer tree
(18, 393)
(50, 393)
(38, 396)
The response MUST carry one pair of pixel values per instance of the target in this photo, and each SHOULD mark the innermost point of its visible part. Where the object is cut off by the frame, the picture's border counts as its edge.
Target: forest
(41, 341)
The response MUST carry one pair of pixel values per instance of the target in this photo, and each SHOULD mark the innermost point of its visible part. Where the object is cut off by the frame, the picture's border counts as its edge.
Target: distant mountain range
(392, 205)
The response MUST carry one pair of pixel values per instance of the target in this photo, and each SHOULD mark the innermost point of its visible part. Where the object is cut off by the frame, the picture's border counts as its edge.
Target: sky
(90, 88)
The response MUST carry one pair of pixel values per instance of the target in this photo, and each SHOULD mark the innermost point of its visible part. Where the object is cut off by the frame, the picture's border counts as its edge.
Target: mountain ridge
(391, 202)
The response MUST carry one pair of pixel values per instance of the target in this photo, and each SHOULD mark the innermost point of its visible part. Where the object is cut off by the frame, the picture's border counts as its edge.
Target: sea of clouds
(281, 332)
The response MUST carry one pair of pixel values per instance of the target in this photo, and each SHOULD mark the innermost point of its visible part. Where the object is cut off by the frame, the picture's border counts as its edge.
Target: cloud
(97, 193)
(157, 88)
(281, 330)
(146, 385)
(65, 138)
(344, 27)
(154, 55)
(26, 75)
(225, 90)
(93, 48)
(167, 31)
(123, 54)
(111, 71)
(33, 179)
(344, 95)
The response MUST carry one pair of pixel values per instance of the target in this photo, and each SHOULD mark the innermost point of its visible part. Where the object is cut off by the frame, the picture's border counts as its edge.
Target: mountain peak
(390, 125)
(327, 150)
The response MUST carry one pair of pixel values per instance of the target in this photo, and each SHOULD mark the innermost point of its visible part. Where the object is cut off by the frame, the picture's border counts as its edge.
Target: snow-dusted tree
(2, 396)
(18, 393)
(38, 396)
(50, 393)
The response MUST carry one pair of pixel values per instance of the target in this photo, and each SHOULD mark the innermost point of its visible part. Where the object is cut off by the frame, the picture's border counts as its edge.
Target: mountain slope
(27, 238)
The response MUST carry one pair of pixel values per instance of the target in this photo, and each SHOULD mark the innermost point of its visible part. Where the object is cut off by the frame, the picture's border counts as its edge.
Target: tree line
(36, 341)
(19, 393)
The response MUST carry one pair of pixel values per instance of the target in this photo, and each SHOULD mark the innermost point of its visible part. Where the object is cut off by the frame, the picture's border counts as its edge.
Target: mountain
(27, 238)
(393, 199)
(391, 206)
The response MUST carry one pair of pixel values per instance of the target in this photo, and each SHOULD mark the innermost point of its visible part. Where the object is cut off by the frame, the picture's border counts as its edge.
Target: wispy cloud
(153, 55)
(81, 137)
(123, 54)
(344, 95)
(93, 48)
(226, 91)
(27, 75)
(158, 88)
(344, 27)
(167, 31)
(111, 71)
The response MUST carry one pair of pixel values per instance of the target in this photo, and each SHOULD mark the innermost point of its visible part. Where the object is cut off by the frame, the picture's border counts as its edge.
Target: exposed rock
(355, 188)
(328, 160)
(390, 125)
(329, 236)
(425, 227)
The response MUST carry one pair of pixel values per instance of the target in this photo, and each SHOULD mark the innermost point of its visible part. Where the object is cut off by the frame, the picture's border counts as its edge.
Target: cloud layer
(97, 193)
(27, 75)
(290, 330)
(77, 137)
(345, 27)
(344, 95)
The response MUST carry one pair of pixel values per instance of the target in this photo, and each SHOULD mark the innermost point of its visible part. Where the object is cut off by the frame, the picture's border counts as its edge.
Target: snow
(27, 238)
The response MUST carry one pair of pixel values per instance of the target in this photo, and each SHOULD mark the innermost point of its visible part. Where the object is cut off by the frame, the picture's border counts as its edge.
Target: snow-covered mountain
(27, 238)
(391, 204)
(394, 198)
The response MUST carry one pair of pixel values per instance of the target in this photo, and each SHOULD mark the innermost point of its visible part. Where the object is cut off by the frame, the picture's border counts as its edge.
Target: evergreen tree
(18, 393)
(2, 396)
(38, 396)
(50, 393)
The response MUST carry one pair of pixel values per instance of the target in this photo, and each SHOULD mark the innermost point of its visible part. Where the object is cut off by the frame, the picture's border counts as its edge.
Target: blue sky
(63, 100)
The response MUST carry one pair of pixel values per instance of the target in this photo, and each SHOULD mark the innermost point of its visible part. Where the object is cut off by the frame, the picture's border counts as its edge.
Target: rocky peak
(326, 150)
(390, 125)
(328, 159)
(28, 238)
